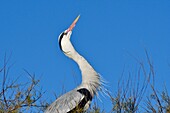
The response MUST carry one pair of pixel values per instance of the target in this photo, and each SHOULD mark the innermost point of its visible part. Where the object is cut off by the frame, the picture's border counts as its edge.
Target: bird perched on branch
(78, 99)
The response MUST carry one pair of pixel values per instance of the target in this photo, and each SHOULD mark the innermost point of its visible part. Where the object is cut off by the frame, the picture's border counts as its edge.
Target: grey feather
(66, 102)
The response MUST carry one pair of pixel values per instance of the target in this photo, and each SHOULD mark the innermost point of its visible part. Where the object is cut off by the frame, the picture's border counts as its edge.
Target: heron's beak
(73, 24)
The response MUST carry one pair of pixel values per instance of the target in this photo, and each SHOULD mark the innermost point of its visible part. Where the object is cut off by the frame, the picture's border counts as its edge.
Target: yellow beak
(73, 24)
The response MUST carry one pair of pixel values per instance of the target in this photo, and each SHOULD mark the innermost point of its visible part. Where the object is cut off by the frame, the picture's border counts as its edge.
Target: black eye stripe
(60, 38)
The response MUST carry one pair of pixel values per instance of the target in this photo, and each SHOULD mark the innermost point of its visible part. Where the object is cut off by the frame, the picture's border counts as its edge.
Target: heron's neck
(90, 78)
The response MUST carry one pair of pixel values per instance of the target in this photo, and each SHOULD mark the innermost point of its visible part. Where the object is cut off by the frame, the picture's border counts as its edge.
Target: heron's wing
(66, 102)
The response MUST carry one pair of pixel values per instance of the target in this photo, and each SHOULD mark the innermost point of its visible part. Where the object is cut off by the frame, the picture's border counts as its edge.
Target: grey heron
(78, 99)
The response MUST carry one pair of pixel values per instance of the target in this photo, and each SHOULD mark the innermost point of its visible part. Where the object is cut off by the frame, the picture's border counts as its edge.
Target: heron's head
(64, 38)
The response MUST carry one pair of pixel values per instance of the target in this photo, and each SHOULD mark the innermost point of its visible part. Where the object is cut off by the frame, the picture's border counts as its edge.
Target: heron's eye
(65, 33)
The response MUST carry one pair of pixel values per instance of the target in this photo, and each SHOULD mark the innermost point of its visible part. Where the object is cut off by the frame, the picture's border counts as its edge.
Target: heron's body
(75, 100)
(80, 97)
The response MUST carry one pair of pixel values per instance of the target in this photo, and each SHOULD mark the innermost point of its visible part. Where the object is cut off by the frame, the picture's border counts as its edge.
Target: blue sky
(105, 34)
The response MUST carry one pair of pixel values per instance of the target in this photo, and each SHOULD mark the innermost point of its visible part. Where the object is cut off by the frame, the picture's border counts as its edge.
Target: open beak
(73, 24)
